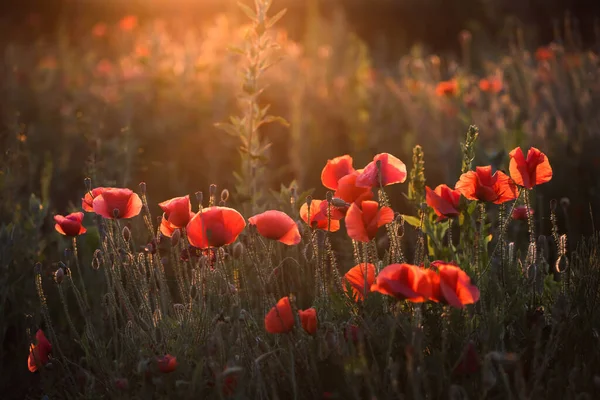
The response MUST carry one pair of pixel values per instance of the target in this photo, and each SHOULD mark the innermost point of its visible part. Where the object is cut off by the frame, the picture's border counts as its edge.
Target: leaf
(227, 127)
(247, 10)
(273, 20)
(236, 50)
(271, 118)
(413, 221)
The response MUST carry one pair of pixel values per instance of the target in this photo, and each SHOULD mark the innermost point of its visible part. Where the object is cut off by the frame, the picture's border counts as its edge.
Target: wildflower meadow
(222, 211)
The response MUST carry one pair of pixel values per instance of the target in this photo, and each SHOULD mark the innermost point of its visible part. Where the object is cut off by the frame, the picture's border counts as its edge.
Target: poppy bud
(126, 234)
(329, 197)
(175, 237)
(37, 268)
(562, 264)
(308, 201)
(199, 197)
(88, 184)
(116, 213)
(224, 195)
(465, 36)
(143, 188)
(212, 189)
(59, 275)
(339, 203)
(565, 202)
(122, 384)
(238, 250)
(67, 253)
(511, 251)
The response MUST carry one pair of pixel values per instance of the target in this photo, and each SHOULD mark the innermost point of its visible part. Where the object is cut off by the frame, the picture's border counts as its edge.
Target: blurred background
(129, 91)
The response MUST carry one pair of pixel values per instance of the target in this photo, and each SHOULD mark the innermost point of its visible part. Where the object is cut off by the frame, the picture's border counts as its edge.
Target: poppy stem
(366, 270)
(450, 241)
(81, 281)
(529, 218)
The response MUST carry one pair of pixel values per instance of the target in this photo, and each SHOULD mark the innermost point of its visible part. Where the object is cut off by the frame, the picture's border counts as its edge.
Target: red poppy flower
(469, 362)
(403, 281)
(356, 278)
(178, 211)
(39, 353)
(362, 222)
(530, 171)
(492, 85)
(318, 219)
(520, 213)
(335, 169)
(392, 171)
(215, 227)
(117, 203)
(444, 201)
(349, 192)
(87, 203)
(280, 318)
(483, 186)
(166, 363)
(451, 285)
(128, 23)
(544, 53)
(447, 88)
(336, 213)
(99, 29)
(308, 319)
(276, 225)
(69, 225)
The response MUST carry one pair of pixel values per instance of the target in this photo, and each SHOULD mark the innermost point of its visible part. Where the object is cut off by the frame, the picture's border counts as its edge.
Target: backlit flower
(447, 88)
(544, 53)
(215, 227)
(178, 211)
(444, 201)
(280, 318)
(276, 225)
(318, 216)
(87, 202)
(362, 222)
(520, 213)
(349, 192)
(491, 85)
(128, 22)
(39, 353)
(335, 169)
(482, 185)
(117, 203)
(69, 225)
(308, 319)
(392, 171)
(531, 171)
(360, 277)
(451, 285)
(99, 29)
(404, 282)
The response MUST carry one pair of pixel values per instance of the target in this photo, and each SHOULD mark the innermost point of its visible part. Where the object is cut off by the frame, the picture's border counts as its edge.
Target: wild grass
(139, 101)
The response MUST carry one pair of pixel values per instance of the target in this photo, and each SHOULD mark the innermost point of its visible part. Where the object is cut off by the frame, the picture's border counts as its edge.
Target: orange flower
(178, 211)
(544, 53)
(99, 29)
(520, 213)
(308, 319)
(444, 201)
(280, 318)
(532, 171)
(403, 281)
(166, 363)
(349, 192)
(483, 186)
(447, 88)
(451, 285)
(318, 219)
(39, 353)
(360, 277)
(392, 171)
(215, 227)
(492, 85)
(276, 225)
(117, 203)
(87, 202)
(362, 222)
(128, 23)
(335, 169)
(69, 225)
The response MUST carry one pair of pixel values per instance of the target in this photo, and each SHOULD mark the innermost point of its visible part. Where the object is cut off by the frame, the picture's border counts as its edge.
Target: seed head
(88, 184)
(59, 275)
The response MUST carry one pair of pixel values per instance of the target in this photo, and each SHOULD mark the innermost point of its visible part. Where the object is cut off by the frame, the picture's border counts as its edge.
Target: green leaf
(413, 221)
(271, 118)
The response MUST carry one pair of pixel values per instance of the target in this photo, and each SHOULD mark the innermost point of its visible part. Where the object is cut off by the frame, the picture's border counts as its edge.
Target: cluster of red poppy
(498, 188)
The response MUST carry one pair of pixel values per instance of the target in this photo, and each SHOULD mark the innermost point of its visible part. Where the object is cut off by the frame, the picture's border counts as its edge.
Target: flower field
(224, 212)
